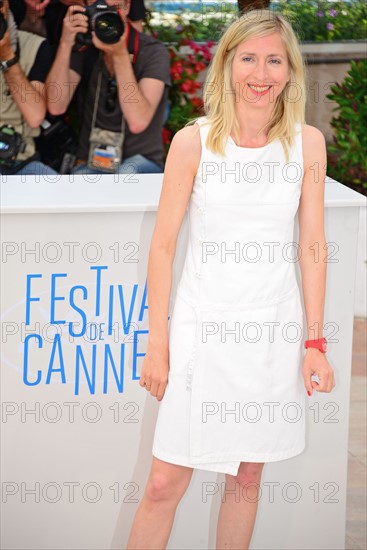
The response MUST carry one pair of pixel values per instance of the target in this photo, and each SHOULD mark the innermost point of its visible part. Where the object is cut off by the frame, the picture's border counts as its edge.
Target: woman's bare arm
(181, 166)
(311, 227)
(314, 257)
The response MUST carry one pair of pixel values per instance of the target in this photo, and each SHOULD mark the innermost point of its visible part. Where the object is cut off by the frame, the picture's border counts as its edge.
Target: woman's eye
(271, 61)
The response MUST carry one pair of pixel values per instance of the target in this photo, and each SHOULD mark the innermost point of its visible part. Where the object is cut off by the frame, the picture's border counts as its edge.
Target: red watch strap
(319, 343)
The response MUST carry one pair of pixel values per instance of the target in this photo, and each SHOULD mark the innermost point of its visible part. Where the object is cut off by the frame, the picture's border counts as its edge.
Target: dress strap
(204, 129)
(297, 147)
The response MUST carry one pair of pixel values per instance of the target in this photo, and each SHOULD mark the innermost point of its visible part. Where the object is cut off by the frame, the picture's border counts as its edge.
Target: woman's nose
(261, 71)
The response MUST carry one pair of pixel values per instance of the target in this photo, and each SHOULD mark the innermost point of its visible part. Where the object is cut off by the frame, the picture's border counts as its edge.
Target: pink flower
(177, 67)
(199, 66)
(186, 86)
(166, 135)
(193, 46)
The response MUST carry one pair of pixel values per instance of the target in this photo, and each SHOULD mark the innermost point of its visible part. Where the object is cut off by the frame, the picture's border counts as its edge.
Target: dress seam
(237, 307)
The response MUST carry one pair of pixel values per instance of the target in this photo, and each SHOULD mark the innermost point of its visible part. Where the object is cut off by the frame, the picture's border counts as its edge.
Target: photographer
(25, 59)
(44, 17)
(123, 90)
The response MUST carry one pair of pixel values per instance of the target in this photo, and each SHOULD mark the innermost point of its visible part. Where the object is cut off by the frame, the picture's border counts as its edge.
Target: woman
(231, 374)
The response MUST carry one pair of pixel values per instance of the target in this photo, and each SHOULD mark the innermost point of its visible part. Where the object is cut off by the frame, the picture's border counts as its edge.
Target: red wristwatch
(320, 344)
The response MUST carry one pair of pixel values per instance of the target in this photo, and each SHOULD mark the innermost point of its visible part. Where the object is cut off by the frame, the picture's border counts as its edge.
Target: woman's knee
(167, 481)
(248, 472)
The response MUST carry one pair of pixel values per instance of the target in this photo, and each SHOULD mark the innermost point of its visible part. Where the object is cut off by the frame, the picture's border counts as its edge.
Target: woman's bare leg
(238, 509)
(153, 520)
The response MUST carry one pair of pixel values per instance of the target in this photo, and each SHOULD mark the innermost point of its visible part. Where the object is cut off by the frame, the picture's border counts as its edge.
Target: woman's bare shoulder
(188, 136)
(313, 144)
(311, 132)
(186, 146)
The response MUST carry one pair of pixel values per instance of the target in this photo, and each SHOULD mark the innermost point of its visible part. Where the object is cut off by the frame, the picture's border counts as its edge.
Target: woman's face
(260, 62)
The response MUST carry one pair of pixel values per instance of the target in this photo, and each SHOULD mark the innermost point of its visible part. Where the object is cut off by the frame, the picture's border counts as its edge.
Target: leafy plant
(313, 20)
(347, 158)
(185, 70)
(322, 20)
(206, 22)
(188, 60)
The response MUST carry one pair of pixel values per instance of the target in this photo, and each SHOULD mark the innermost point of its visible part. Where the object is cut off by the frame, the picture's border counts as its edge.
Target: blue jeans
(36, 168)
(137, 164)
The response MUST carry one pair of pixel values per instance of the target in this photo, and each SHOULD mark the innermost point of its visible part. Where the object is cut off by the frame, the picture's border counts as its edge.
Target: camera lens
(4, 146)
(109, 27)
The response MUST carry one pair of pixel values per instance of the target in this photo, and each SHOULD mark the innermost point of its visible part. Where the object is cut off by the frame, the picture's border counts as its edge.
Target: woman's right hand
(74, 21)
(154, 372)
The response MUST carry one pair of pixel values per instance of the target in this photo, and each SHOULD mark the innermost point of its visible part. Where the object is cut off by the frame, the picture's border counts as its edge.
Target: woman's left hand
(315, 362)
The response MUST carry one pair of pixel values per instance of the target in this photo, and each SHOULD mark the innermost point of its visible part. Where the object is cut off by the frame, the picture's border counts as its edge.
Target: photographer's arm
(137, 109)
(138, 100)
(28, 96)
(62, 81)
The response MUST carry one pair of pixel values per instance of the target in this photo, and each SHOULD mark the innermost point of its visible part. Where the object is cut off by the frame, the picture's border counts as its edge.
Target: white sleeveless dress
(235, 389)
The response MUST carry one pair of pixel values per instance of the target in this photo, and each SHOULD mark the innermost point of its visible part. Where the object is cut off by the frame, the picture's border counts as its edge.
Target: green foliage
(185, 70)
(320, 21)
(348, 159)
(188, 60)
(312, 20)
(208, 23)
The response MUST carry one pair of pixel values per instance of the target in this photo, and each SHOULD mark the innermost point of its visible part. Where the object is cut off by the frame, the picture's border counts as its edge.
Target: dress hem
(205, 463)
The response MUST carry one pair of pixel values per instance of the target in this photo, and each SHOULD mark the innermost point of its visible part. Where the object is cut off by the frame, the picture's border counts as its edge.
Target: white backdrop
(76, 427)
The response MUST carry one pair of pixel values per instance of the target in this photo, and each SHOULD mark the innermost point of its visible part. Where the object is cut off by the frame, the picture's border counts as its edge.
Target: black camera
(105, 21)
(11, 144)
(3, 23)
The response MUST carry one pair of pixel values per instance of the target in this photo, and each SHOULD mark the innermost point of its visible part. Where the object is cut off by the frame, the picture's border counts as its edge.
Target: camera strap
(96, 99)
(132, 42)
(106, 146)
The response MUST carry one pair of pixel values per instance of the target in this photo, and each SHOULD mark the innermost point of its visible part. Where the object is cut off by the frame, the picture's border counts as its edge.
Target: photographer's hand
(74, 21)
(6, 51)
(37, 7)
(28, 96)
(112, 50)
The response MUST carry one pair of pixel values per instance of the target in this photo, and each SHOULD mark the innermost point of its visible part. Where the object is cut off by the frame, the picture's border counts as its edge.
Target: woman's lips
(259, 90)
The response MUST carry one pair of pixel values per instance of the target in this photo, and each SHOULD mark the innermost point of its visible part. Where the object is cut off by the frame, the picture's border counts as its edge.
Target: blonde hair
(219, 105)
